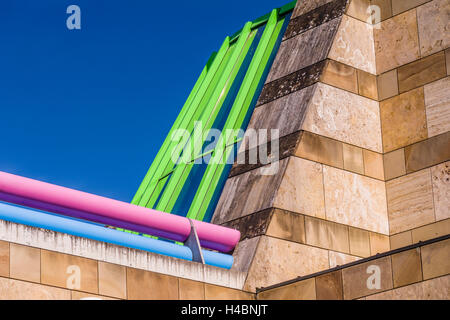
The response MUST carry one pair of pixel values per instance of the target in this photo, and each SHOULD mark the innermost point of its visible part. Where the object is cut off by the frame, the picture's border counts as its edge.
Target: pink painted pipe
(78, 204)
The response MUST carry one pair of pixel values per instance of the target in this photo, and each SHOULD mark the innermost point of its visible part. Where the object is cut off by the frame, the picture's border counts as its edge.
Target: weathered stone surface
(286, 148)
(385, 9)
(440, 178)
(427, 153)
(77, 295)
(329, 286)
(410, 201)
(144, 285)
(340, 75)
(344, 116)
(315, 18)
(252, 225)
(436, 259)
(403, 120)
(406, 267)
(293, 82)
(387, 85)
(354, 45)
(222, 293)
(359, 9)
(396, 42)
(437, 104)
(356, 278)
(301, 189)
(62, 270)
(280, 260)
(421, 72)
(379, 243)
(287, 225)
(20, 290)
(367, 85)
(340, 259)
(434, 26)
(301, 290)
(431, 231)
(355, 200)
(25, 263)
(303, 50)
(112, 280)
(328, 235)
(394, 164)
(4, 259)
(353, 159)
(359, 242)
(399, 6)
(401, 240)
(235, 202)
(285, 114)
(373, 164)
(191, 290)
(243, 255)
(320, 149)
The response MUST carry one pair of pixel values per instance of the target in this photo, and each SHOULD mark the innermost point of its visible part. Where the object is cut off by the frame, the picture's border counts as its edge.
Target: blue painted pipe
(100, 233)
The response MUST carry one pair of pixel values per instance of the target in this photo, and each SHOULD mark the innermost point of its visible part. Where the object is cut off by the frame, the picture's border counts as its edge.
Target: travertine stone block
(385, 9)
(401, 240)
(243, 254)
(67, 271)
(301, 290)
(145, 285)
(344, 116)
(440, 178)
(287, 225)
(303, 50)
(387, 85)
(354, 45)
(191, 290)
(359, 9)
(427, 153)
(340, 259)
(234, 201)
(328, 235)
(434, 289)
(285, 114)
(433, 20)
(406, 267)
(340, 75)
(301, 189)
(355, 200)
(112, 280)
(77, 295)
(353, 159)
(447, 60)
(280, 260)
(399, 6)
(329, 286)
(431, 231)
(410, 201)
(379, 243)
(11, 289)
(4, 259)
(421, 72)
(25, 263)
(367, 85)
(394, 164)
(436, 259)
(437, 104)
(396, 41)
(320, 149)
(356, 278)
(403, 120)
(373, 164)
(359, 242)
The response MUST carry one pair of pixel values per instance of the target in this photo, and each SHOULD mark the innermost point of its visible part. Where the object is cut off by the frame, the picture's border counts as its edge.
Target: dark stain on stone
(253, 225)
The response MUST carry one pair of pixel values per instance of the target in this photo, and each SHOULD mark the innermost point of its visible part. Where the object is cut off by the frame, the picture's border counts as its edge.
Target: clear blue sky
(88, 109)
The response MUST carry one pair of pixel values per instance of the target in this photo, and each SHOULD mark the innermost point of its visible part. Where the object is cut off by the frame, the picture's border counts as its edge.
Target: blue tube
(96, 232)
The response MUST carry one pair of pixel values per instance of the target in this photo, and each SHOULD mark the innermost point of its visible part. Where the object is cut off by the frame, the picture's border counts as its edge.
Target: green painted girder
(236, 117)
(181, 173)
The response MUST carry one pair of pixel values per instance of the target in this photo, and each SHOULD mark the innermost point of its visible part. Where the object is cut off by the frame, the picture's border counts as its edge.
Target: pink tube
(41, 195)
